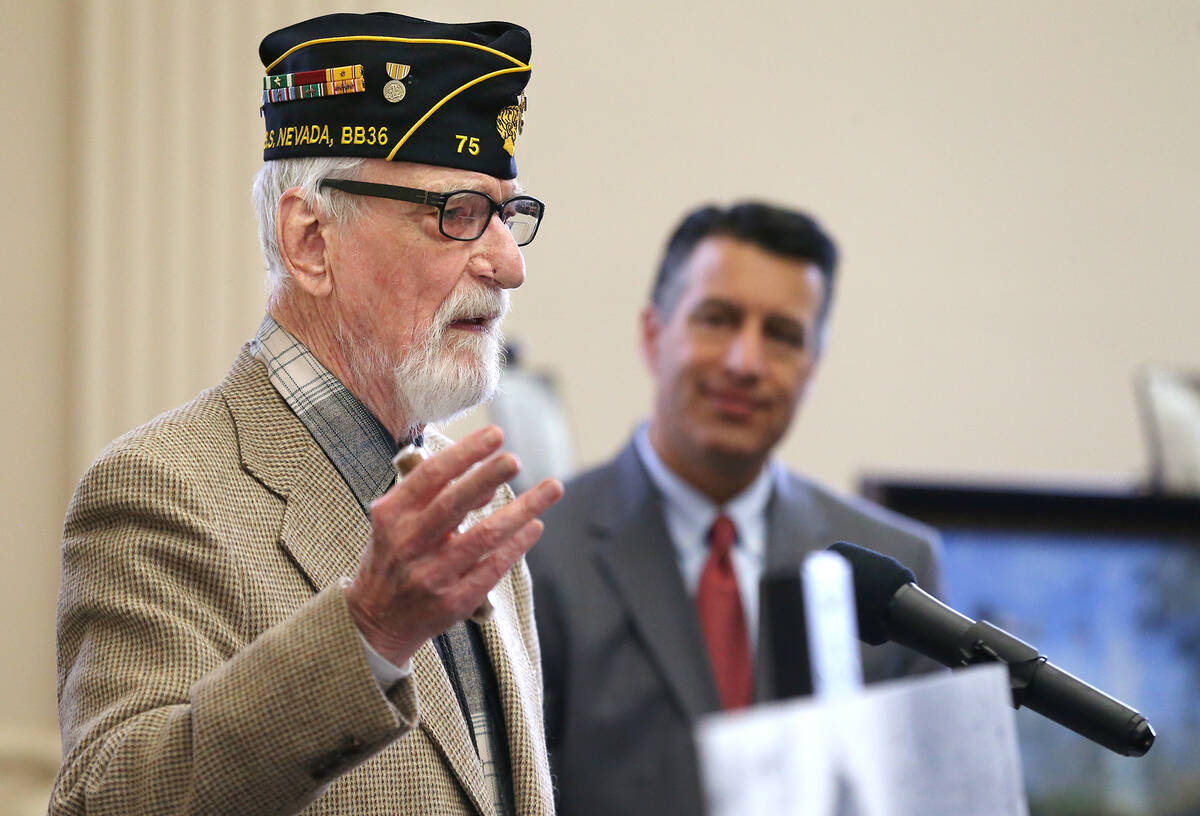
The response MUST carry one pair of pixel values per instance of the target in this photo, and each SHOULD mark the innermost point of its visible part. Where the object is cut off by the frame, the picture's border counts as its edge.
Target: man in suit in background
(256, 614)
(646, 580)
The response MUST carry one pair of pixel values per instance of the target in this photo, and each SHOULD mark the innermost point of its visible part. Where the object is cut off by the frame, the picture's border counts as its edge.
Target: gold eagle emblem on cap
(510, 123)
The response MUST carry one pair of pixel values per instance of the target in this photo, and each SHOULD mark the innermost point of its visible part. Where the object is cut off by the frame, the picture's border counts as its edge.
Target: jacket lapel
(636, 555)
(795, 524)
(795, 527)
(521, 698)
(442, 721)
(323, 527)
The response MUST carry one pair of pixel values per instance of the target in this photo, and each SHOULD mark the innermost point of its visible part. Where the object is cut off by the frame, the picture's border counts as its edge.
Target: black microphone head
(877, 577)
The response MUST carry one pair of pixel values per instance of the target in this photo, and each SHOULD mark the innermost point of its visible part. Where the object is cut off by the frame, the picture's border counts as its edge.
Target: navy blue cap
(388, 86)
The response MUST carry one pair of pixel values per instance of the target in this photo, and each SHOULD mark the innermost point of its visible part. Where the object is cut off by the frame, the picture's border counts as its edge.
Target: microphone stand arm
(921, 622)
(1042, 687)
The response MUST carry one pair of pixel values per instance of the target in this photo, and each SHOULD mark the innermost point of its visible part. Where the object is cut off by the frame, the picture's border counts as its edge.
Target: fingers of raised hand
(431, 476)
(435, 497)
(429, 581)
(539, 498)
(395, 519)
(470, 492)
(493, 532)
(500, 539)
(489, 569)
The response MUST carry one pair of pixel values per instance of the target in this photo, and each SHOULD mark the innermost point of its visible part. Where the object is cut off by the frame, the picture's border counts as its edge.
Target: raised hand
(419, 574)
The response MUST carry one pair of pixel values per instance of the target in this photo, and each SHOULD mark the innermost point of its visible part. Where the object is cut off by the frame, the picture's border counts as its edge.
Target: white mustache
(475, 302)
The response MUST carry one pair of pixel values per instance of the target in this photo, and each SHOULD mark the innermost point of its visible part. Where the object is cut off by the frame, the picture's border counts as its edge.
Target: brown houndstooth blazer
(206, 659)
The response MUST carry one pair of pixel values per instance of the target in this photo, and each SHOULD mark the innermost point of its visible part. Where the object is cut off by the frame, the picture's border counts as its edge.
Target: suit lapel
(323, 527)
(442, 721)
(637, 556)
(521, 699)
(795, 527)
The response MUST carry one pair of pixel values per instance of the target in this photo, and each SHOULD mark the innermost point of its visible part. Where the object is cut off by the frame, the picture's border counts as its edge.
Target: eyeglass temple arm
(386, 191)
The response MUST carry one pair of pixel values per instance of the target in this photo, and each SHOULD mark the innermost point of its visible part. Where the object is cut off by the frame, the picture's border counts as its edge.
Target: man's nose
(745, 355)
(499, 258)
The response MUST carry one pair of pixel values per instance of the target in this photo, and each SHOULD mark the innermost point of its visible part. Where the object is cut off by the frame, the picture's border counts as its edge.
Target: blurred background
(1013, 185)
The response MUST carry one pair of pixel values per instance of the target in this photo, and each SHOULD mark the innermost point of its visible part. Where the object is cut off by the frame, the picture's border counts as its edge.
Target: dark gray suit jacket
(625, 666)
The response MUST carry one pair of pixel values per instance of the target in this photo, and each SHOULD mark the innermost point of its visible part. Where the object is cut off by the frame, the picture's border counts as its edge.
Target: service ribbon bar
(309, 84)
(317, 77)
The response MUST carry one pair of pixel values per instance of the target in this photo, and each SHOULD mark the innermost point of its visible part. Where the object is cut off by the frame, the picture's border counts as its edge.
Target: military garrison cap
(392, 87)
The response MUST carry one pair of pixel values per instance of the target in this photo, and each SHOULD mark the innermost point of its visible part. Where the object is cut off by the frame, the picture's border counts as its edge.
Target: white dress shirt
(690, 514)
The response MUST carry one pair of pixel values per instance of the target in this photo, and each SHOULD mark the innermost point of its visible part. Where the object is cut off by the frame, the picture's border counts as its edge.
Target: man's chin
(441, 393)
(737, 442)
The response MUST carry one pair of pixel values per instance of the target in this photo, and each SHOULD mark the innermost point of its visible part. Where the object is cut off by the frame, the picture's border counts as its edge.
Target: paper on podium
(940, 745)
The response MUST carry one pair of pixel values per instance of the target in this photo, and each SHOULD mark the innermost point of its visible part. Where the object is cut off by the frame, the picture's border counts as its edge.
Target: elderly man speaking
(258, 614)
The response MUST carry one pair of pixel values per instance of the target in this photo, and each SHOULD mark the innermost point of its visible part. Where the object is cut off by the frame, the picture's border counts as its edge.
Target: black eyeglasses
(462, 214)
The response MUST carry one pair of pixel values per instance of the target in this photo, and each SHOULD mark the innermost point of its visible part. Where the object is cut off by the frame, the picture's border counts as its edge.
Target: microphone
(892, 607)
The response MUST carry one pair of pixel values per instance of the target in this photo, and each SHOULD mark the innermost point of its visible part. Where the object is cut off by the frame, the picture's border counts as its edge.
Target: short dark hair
(780, 231)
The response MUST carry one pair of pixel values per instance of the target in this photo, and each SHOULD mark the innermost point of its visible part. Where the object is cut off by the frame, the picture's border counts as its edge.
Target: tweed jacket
(207, 662)
(627, 672)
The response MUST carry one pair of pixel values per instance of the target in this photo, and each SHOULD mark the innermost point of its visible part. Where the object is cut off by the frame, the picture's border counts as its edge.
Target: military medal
(308, 84)
(393, 89)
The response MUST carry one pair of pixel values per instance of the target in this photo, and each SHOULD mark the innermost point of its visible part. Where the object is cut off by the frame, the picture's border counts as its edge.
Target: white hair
(280, 175)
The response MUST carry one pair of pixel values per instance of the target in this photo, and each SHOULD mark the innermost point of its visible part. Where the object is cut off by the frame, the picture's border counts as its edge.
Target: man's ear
(300, 236)
(651, 326)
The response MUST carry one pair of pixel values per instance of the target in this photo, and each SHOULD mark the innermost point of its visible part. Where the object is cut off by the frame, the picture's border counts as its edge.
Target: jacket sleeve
(167, 703)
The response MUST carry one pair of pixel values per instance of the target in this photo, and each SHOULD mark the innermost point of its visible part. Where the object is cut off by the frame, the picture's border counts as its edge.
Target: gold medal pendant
(393, 89)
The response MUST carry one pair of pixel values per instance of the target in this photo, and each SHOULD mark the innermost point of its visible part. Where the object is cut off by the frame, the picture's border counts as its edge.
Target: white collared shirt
(689, 515)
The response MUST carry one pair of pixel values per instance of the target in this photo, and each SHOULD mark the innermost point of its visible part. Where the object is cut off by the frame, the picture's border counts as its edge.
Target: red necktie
(722, 621)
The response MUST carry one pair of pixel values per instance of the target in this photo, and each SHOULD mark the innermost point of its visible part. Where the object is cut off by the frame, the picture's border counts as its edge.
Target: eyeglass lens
(466, 214)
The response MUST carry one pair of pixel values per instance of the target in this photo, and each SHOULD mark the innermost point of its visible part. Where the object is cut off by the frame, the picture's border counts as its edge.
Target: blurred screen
(1112, 596)
(1121, 614)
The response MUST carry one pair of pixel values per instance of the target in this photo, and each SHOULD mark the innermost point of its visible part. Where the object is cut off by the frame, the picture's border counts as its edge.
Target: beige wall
(34, 335)
(1014, 187)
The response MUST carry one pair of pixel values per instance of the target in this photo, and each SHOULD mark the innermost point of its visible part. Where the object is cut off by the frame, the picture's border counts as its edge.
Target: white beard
(449, 371)
(447, 375)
